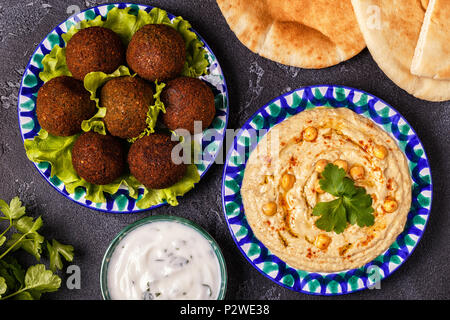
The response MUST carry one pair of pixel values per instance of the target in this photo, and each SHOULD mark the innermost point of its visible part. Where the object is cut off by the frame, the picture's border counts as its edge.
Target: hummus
(280, 188)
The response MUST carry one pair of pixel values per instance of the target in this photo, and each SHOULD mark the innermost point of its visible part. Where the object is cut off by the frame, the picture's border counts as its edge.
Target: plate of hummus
(327, 190)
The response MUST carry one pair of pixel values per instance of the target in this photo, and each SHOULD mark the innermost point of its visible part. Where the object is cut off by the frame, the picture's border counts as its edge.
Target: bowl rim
(162, 218)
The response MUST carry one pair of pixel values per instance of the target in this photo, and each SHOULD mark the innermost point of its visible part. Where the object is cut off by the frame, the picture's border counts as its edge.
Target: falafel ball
(98, 159)
(187, 100)
(62, 105)
(126, 100)
(94, 49)
(150, 162)
(157, 52)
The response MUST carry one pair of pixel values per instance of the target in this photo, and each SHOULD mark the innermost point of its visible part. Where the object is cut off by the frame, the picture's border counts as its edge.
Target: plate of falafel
(123, 108)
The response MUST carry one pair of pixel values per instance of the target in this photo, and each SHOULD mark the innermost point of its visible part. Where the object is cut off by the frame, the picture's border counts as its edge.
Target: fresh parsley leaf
(359, 208)
(13, 273)
(27, 238)
(25, 295)
(13, 243)
(4, 207)
(56, 250)
(28, 225)
(333, 180)
(3, 286)
(14, 210)
(22, 233)
(333, 216)
(353, 205)
(38, 279)
(31, 243)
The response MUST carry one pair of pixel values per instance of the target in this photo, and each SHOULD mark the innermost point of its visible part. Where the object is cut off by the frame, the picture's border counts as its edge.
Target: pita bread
(302, 33)
(391, 30)
(432, 55)
(424, 3)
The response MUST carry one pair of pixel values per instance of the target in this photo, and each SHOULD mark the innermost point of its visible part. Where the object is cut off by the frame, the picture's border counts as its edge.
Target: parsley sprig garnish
(353, 204)
(17, 281)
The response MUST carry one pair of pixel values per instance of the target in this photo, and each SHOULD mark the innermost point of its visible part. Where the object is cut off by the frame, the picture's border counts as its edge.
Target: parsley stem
(18, 291)
(14, 244)
(14, 294)
(9, 227)
(3, 233)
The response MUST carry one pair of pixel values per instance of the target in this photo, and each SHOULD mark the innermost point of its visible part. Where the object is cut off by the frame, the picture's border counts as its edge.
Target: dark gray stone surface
(252, 82)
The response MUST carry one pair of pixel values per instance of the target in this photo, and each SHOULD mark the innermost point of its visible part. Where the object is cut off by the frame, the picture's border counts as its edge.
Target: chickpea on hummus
(281, 188)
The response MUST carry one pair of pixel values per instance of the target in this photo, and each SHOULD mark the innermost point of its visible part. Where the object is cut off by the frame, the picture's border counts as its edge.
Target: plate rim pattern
(348, 281)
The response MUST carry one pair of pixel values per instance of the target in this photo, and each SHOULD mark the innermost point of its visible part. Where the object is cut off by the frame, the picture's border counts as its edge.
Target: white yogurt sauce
(164, 260)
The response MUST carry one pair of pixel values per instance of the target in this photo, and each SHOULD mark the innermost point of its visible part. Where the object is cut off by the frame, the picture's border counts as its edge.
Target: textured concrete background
(252, 82)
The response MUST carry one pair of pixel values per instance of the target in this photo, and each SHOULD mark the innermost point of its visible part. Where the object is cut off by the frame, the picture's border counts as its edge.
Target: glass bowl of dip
(163, 258)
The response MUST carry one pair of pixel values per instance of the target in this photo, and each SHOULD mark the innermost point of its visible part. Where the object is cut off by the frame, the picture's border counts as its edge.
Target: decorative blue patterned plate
(120, 202)
(347, 281)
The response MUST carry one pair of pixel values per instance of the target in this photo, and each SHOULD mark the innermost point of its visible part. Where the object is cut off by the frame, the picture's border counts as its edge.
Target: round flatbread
(303, 33)
(391, 31)
(432, 55)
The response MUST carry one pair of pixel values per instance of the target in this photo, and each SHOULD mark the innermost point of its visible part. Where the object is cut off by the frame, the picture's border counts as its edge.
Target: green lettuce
(92, 82)
(153, 197)
(55, 150)
(153, 112)
(54, 64)
(58, 150)
(125, 24)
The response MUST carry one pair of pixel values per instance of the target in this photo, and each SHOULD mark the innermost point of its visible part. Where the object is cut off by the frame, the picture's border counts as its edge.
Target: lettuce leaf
(54, 64)
(196, 63)
(58, 150)
(55, 150)
(125, 24)
(157, 196)
(92, 82)
(95, 193)
(153, 112)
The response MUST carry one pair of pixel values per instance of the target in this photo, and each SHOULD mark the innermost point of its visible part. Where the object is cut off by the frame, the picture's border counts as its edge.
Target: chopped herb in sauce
(208, 288)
